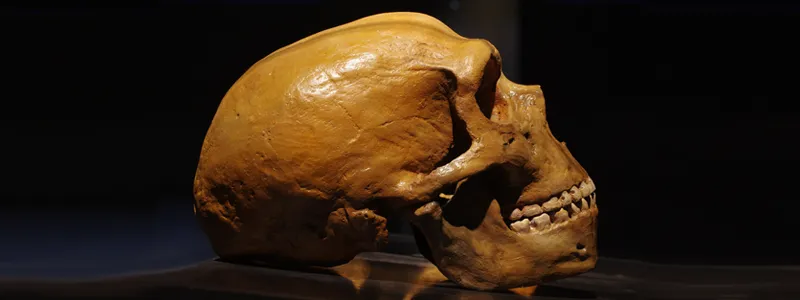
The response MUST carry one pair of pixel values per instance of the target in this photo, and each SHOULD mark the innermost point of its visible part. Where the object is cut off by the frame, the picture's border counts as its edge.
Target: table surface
(167, 257)
(394, 276)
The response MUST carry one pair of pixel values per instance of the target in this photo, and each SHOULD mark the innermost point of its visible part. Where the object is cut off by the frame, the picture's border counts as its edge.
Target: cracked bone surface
(394, 115)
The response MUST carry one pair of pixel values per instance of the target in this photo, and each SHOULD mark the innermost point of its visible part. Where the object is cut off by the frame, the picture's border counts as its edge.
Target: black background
(685, 115)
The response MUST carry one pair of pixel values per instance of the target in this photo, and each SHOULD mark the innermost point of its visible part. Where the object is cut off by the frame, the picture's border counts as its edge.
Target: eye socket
(485, 96)
(461, 139)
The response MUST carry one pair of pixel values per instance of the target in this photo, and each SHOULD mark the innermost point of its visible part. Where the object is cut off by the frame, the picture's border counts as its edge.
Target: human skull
(394, 115)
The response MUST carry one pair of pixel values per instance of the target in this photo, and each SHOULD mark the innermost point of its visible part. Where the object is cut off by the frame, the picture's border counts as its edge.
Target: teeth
(516, 214)
(522, 226)
(556, 210)
(517, 226)
(561, 216)
(551, 204)
(532, 210)
(526, 225)
(565, 199)
(542, 221)
(585, 189)
(574, 209)
(576, 194)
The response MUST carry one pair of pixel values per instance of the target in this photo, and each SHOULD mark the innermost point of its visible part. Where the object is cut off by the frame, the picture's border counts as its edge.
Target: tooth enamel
(561, 216)
(531, 210)
(556, 210)
(576, 193)
(565, 199)
(516, 214)
(585, 189)
(526, 225)
(574, 209)
(551, 204)
(517, 226)
(542, 221)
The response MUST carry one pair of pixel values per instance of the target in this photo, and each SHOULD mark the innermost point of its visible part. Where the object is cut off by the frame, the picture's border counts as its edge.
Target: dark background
(685, 115)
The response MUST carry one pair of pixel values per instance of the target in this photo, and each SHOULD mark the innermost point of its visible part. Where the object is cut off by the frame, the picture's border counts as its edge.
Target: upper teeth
(531, 210)
(556, 210)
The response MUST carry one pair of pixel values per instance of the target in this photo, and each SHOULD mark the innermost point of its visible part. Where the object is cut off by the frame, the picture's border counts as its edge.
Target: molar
(516, 214)
(542, 221)
(551, 204)
(517, 226)
(561, 216)
(531, 210)
(525, 225)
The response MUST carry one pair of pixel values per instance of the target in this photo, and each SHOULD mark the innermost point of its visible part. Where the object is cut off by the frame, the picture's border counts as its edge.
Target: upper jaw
(577, 191)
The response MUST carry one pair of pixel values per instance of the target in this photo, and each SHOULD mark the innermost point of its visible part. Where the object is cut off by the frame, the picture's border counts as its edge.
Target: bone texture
(318, 143)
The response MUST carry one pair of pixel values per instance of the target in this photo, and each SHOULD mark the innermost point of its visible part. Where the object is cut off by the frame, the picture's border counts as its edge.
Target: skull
(394, 115)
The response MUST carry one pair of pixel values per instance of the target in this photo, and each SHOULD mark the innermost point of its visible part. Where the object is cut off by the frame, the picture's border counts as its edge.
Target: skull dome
(394, 116)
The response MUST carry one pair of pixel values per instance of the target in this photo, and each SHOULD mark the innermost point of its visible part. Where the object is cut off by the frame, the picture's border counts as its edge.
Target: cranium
(394, 115)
